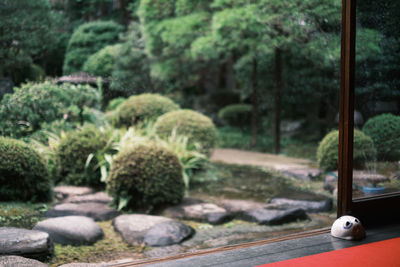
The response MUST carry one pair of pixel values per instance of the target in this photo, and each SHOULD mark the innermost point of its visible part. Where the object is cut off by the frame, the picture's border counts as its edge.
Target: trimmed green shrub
(23, 173)
(144, 107)
(22, 112)
(144, 177)
(238, 115)
(102, 63)
(197, 127)
(223, 98)
(114, 103)
(86, 40)
(74, 152)
(327, 153)
(385, 132)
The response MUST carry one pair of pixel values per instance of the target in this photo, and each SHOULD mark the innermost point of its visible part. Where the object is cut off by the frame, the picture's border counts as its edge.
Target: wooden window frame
(375, 209)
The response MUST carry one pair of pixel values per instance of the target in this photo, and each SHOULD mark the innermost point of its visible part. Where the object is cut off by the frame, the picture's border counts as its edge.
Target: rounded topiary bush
(33, 104)
(86, 40)
(238, 115)
(327, 153)
(23, 173)
(144, 107)
(144, 177)
(385, 132)
(72, 155)
(197, 127)
(102, 63)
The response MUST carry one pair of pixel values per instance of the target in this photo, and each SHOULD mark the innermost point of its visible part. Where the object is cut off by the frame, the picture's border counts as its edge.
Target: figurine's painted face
(348, 227)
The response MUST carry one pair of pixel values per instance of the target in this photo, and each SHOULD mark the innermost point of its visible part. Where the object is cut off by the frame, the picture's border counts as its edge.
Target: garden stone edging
(17, 261)
(97, 211)
(135, 227)
(23, 242)
(71, 230)
(203, 212)
(311, 206)
(238, 206)
(274, 216)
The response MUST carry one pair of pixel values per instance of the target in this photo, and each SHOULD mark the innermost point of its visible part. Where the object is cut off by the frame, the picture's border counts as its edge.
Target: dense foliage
(23, 173)
(22, 112)
(144, 107)
(327, 153)
(102, 63)
(76, 156)
(131, 75)
(27, 31)
(385, 132)
(238, 115)
(144, 177)
(198, 128)
(88, 39)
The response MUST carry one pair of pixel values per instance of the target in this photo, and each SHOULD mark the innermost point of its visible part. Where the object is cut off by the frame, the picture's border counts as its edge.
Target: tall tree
(26, 33)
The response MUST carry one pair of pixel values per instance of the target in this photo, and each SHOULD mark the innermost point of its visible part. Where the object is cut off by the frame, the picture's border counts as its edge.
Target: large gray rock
(99, 197)
(97, 211)
(23, 242)
(236, 206)
(274, 216)
(71, 230)
(204, 212)
(134, 227)
(65, 191)
(307, 205)
(167, 233)
(16, 261)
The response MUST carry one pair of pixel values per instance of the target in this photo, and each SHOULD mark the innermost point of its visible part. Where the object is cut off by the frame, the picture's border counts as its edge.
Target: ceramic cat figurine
(348, 227)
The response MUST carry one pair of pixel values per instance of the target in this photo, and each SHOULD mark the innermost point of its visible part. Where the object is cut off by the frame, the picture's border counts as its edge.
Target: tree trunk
(278, 91)
(254, 98)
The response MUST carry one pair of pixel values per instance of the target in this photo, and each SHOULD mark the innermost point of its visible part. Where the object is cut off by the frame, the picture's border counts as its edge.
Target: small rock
(204, 212)
(99, 197)
(167, 233)
(16, 261)
(330, 182)
(134, 227)
(64, 191)
(23, 242)
(274, 217)
(97, 211)
(307, 205)
(71, 230)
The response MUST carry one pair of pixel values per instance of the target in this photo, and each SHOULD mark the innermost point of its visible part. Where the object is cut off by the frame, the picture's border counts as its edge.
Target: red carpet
(378, 254)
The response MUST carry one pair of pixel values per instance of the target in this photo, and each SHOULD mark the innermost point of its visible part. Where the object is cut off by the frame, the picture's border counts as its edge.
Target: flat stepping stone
(64, 191)
(168, 233)
(135, 228)
(96, 211)
(71, 230)
(239, 206)
(203, 212)
(311, 206)
(17, 261)
(274, 216)
(100, 197)
(23, 242)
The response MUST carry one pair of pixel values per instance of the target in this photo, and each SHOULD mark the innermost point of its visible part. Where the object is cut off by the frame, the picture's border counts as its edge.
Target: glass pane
(377, 147)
